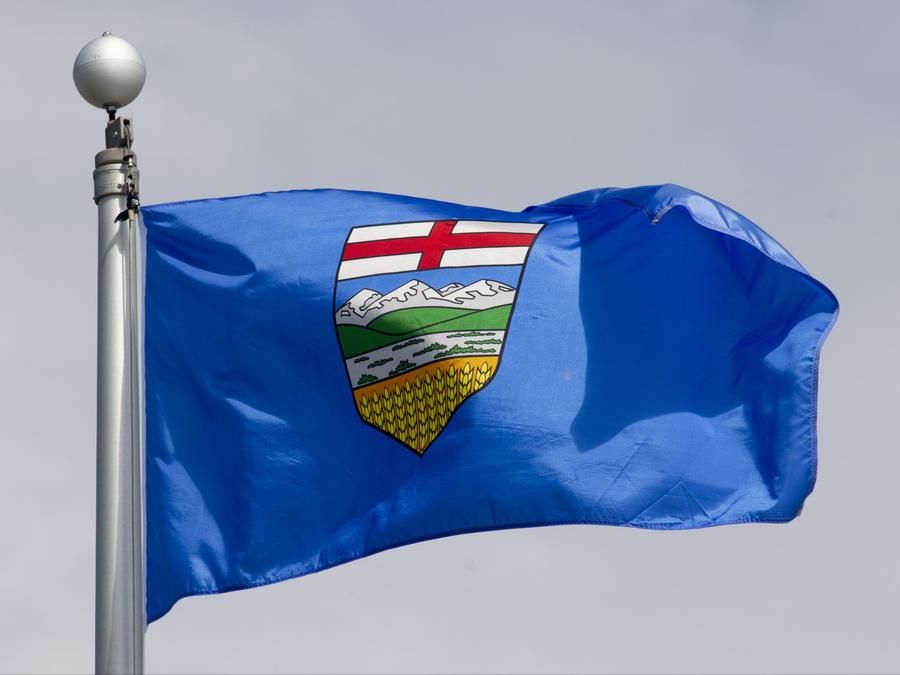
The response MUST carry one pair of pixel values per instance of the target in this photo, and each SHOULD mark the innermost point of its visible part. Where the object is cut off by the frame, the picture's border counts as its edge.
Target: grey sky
(788, 112)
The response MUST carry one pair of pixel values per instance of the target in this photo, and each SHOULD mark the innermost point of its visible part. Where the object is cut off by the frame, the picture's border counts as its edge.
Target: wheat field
(414, 407)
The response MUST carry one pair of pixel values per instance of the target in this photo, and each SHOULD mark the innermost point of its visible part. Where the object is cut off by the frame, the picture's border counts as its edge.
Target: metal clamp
(116, 171)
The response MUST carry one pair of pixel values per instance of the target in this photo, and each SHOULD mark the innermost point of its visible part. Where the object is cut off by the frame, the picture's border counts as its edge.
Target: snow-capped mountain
(368, 305)
(481, 294)
(360, 302)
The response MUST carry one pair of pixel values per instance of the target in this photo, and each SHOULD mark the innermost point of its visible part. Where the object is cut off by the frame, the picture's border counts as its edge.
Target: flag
(330, 374)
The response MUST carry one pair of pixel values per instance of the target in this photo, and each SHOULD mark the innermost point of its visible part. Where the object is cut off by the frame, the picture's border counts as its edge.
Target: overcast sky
(788, 112)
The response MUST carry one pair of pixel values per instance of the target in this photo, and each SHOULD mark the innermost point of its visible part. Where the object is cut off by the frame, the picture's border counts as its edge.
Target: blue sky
(383, 283)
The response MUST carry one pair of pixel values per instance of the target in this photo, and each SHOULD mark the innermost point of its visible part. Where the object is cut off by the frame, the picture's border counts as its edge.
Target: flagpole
(109, 73)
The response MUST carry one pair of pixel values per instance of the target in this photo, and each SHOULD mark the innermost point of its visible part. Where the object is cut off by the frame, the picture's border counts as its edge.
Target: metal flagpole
(109, 73)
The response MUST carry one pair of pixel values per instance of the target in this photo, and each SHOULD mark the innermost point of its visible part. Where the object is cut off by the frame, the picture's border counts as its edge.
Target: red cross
(432, 246)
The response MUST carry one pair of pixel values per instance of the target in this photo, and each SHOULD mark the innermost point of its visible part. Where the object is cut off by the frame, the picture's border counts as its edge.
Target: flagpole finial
(109, 72)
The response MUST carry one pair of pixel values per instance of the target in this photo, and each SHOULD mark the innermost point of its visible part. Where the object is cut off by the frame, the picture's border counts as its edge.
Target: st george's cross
(422, 311)
(401, 247)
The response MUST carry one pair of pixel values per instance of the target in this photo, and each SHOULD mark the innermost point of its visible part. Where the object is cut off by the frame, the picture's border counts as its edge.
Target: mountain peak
(358, 304)
(482, 287)
(367, 305)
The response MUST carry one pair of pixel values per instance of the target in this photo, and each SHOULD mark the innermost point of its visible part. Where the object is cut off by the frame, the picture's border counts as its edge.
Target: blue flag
(330, 374)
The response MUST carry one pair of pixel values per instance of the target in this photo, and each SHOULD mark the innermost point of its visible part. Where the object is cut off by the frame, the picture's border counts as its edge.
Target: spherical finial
(109, 72)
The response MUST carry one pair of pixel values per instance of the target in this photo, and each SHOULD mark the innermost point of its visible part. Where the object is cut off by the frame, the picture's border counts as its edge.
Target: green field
(403, 324)
(403, 321)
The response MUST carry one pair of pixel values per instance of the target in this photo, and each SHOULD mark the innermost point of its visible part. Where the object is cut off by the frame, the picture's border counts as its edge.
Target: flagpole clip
(116, 171)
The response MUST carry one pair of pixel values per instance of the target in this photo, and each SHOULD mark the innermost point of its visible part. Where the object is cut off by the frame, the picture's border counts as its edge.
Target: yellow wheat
(414, 408)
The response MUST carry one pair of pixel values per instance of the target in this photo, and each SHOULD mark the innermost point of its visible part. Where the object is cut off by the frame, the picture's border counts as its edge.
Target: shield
(422, 313)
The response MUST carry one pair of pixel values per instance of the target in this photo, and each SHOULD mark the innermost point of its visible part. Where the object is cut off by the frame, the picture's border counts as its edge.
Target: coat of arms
(422, 312)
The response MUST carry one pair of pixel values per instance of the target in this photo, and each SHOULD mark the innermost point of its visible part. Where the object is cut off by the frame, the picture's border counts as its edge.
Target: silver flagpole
(109, 73)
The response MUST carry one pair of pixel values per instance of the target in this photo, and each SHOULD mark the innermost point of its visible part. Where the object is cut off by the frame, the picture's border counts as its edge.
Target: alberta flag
(330, 374)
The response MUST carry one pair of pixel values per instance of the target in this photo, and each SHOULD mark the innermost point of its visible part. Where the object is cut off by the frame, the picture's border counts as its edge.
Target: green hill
(417, 321)
(403, 321)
